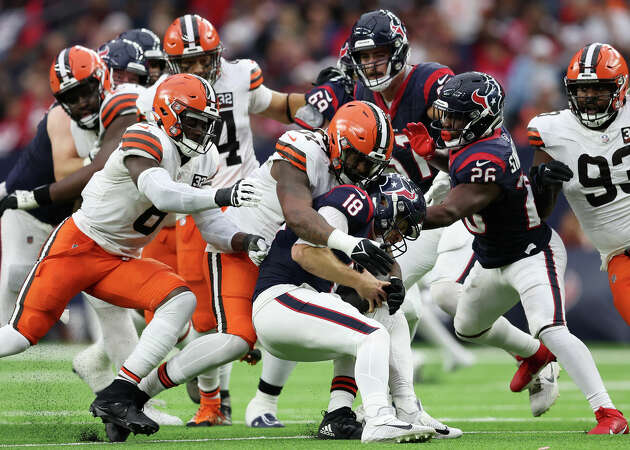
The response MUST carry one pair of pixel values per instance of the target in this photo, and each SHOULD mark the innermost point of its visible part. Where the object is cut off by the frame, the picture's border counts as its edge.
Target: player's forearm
(439, 216)
(70, 187)
(219, 231)
(545, 200)
(440, 161)
(309, 225)
(170, 196)
(322, 262)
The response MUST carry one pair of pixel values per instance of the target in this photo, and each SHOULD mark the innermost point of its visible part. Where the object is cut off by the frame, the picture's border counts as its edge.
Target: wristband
(289, 110)
(42, 195)
(339, 240)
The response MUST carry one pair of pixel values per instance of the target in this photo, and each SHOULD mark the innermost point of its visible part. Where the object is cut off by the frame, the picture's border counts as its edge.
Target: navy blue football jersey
(418, 91)
(35, 168)
(509, 228)
(279, 268)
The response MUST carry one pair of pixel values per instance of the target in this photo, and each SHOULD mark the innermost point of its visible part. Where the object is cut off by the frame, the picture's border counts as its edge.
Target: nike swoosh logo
(444, 431)
(402, 427)
(442, 79)
(480, 163)
(360, 194)
(292, 138)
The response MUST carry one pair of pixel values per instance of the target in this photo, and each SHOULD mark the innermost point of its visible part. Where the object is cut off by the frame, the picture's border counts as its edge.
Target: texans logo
(403, 192)
(480, 100)
(344, 50)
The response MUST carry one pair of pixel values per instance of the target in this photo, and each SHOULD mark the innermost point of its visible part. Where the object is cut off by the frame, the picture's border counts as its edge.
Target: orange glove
(419, 139)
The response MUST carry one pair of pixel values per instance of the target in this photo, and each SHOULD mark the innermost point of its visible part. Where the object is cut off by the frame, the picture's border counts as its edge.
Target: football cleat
(267, 420)
(160, 417)
(226, 410)
(262, 414)
(385, 427)
(116, 404)
(116, 433)
(421, 417)
(543, 390)
(209, 414)
(610, 421)
(193, 390)
(530, 367)
(340, 424)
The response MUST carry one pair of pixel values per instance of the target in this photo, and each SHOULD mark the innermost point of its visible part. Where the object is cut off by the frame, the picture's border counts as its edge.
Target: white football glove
(439, 189)
(242, 193)
(257, 248)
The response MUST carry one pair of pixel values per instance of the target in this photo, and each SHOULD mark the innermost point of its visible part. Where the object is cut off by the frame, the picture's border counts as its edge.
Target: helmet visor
(359, 167)
(199, 130)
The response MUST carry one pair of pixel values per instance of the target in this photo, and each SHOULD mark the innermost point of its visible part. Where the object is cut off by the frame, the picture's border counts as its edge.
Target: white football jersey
(305, 150)
(240, 92)
(114, 213)
(599, 192)
(84, 140)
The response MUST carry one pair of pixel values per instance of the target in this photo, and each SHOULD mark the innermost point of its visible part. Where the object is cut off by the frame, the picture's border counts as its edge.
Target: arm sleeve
(334, 217)
(259, 99)
(169, 196)
(216, 228)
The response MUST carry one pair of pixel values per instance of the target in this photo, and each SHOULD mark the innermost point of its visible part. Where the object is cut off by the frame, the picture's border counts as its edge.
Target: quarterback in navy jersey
(517, 252)
(376, 56)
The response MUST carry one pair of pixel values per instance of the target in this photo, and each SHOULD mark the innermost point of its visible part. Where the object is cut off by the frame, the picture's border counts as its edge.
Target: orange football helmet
(79, 80)
(186, 108)
(192, 45)
(360, 141)
(596, 84)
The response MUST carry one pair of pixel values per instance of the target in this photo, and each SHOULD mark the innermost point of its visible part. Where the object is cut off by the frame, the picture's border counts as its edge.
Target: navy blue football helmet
(344, 63)
(152, 47)
(399, 210)
(123, 55)
(379, 28)
(469, 107)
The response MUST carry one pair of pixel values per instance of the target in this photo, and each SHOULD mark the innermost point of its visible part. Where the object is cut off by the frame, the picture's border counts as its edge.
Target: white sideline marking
(164, 441)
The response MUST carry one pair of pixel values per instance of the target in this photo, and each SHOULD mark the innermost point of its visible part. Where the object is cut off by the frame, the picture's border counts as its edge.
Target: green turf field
(42, 403)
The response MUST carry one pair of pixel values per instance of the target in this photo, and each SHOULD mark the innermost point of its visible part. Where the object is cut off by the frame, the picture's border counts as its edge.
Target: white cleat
(262, 414)
(442, 431)
(543, 390)
(421, 417)
(93, 367)
(387, 428)
(158, 416)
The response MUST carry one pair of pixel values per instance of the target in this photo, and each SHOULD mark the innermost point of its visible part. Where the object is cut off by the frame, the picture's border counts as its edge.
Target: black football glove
(369, 255)
(552, 173)
(395, 294)
(241, 193)
(334, 75)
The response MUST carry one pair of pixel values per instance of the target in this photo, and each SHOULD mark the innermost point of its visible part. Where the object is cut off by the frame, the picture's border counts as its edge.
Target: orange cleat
(209, 414)
(610, 421)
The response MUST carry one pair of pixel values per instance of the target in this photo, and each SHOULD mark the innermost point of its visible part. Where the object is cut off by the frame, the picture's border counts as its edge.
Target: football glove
(252, 357)
(419, 139)
(257, 248)
(369, 255)
(26, 199)
(334, 75)
(242, 193)
(552, 173)
(395, 294)
(439, 189)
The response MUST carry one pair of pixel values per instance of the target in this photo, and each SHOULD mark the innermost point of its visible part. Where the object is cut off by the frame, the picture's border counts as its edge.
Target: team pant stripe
(19, 304)
(130, 374)
(330, 315)
(467, 269)
(555, 286)
(164, 378)
(209, 394)
(214, 264)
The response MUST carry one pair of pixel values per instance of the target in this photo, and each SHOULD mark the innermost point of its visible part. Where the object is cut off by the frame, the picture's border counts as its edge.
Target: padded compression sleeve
(217, 229)
(170, 196)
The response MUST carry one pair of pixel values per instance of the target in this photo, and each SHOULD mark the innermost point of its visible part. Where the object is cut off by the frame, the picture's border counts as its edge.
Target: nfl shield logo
(605, 138)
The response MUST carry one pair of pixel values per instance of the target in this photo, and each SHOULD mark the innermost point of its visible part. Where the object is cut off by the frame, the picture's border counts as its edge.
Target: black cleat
(117, 405)
(227, 414)
(116, 433)
(340, 424)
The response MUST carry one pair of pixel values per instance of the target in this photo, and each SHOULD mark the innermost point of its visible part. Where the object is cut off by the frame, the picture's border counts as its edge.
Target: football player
(516, 250)
(123, 206)
(306, 164)
(79, 81)
(296, 316)
(593, 147)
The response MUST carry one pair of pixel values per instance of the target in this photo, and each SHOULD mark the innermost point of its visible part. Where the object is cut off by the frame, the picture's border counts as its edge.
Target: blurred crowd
(526, 45)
